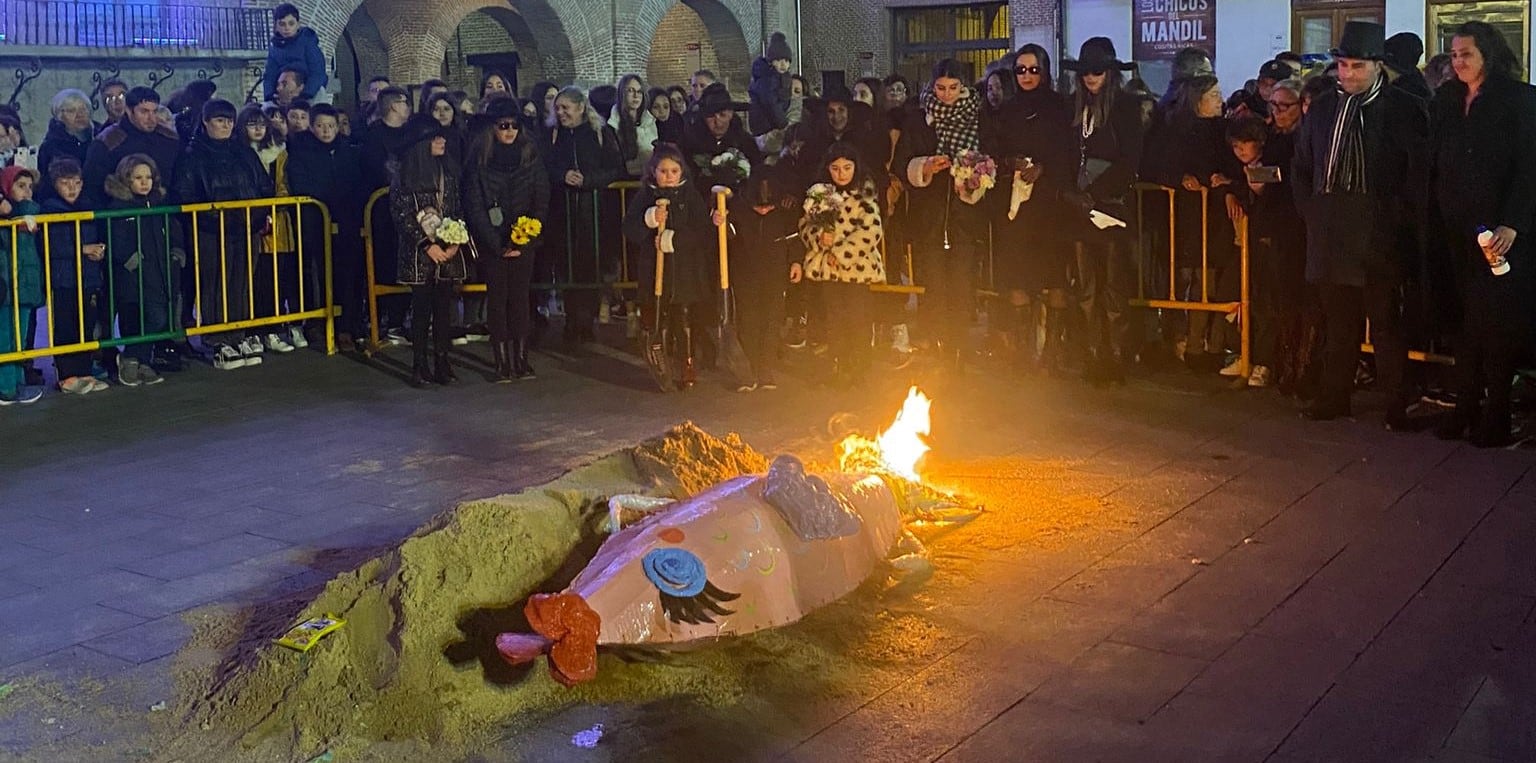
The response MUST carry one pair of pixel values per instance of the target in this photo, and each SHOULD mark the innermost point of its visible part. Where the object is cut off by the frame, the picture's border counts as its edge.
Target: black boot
(421, 375)
(520, 366)
(443, 373)
(1456, 426)
(501, 355)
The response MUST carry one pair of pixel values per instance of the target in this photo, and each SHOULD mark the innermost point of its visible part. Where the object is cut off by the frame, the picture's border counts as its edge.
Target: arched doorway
(360, 55)
(699, 34)
(524, 40)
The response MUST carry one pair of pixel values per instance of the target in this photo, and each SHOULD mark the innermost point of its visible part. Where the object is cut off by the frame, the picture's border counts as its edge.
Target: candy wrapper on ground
(305, 635)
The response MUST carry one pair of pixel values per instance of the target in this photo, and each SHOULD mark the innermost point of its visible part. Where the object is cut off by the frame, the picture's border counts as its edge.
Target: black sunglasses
(1096, 72)
(1026, 70)
(508, 125)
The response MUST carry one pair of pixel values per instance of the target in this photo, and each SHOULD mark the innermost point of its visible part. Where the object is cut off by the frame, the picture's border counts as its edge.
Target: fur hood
(118, 189)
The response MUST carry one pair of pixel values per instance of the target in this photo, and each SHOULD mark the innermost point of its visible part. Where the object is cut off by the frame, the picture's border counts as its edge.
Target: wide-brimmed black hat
(1362, 39)
(716, 99)
(420, 128)
(1097, 54)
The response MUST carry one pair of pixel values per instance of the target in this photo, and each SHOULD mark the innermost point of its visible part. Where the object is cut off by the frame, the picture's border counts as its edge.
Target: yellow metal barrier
(1241, 308)
(15, 228)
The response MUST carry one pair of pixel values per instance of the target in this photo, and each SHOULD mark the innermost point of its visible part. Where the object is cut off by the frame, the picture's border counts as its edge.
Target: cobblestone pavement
(1261, 589)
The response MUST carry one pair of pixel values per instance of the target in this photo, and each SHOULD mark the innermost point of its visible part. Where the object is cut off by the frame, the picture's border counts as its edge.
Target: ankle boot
(501, 356)
(520, 366)
(421, 375)
(443, 373)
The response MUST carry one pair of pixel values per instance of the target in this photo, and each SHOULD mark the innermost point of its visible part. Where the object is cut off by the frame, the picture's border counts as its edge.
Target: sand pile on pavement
(414, 672)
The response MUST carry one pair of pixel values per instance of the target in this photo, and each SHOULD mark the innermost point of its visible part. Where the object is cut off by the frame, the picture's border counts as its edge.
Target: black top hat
(421, 128)
(1362, 39)
(1097, 54)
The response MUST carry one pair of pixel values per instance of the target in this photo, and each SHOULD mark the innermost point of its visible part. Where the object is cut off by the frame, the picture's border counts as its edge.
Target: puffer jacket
(28, 266)
(64, 249)
(57, 143)
(222, 170)
(301, 52)
(416, 268)
(769, 95)
(154, 237)
(855, 255)
(512, 178)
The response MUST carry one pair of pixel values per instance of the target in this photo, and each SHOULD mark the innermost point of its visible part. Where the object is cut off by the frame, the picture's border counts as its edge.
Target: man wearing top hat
(1357, 183)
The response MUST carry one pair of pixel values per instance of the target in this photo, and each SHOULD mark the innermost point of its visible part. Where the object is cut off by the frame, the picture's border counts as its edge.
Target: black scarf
(1346, 146)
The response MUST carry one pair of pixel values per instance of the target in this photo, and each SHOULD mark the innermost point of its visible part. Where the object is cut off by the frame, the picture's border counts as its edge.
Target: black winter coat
(690, 270)
(222, 170)
(514, 180)
(700, 146)
(1196, 147)
(331, 172)
(58, 143)
(1350, 236)
(118, 141)
(1120, 144)
(1484, 161)
(380, 144)
(64, 249)
(938, 214)
(152, 237)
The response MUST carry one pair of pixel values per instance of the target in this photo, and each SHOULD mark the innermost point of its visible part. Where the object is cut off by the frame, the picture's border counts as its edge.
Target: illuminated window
(975, 35)
(1317, 24)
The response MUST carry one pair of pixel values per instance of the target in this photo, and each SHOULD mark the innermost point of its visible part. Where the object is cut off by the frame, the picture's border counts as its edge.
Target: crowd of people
(1363, 189)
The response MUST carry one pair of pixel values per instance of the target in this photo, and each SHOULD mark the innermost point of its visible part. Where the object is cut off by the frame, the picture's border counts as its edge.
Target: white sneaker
(459, 341)
(901, 339)
(98, 385)
(1259, 377)
(251, 346)
(296, 337)
(605, 313)
(276, 343)
(1235, 368)
(24, 396)
(78, 385)
(227, 358)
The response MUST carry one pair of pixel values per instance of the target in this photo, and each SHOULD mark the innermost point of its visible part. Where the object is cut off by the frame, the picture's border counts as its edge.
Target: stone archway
(529, 28)
(361, 54)
(671, 25)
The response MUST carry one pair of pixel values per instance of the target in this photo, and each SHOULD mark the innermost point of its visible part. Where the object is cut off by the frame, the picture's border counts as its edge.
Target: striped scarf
(1346, 146)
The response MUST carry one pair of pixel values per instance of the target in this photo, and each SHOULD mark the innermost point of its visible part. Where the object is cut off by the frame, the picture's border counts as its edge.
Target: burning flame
(897, 449)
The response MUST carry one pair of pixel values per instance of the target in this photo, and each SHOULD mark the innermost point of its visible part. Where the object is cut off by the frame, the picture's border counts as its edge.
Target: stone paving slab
(1249, 587)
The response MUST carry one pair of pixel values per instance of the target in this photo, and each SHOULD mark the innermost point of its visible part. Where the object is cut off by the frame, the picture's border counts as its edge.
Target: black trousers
(948, 296)
(1106, 281)
(432, 307)
(759, 316)
(1345, 309)
(67, 314)
(849, 308)
(1495, 336)
(506, 295)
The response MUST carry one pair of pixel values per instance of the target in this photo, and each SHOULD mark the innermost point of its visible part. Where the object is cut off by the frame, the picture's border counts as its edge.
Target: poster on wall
(1164, 27)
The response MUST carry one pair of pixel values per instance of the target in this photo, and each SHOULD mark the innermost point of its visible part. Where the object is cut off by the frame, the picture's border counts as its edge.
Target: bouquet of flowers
(526, 229)
(729, 167)
(975, 173)
(822, 205)
(452, 231)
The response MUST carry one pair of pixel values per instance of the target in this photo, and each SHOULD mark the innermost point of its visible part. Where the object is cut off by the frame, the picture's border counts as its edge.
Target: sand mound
(414, 673)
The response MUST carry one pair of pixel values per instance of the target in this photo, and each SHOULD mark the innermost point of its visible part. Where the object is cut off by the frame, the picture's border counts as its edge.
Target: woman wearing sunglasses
(505, 180)
(1032, 137)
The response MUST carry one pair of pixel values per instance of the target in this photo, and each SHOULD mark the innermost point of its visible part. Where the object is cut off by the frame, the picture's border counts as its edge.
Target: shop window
(975, 35)
(1512, 18)
(1317, 24)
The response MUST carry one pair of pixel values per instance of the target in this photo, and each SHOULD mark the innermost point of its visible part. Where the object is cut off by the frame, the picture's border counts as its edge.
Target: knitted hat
(1404, 50)
(8, 178)
(778, 48)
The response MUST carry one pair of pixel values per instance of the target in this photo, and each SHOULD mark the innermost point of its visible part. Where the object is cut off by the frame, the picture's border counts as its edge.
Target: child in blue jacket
(297, 47)
(75, 277)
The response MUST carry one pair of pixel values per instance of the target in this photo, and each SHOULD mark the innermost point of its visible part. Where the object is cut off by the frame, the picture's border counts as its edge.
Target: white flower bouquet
(452, 231)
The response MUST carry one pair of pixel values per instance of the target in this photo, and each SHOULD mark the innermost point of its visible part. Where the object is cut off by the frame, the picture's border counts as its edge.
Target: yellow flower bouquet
(525, 230)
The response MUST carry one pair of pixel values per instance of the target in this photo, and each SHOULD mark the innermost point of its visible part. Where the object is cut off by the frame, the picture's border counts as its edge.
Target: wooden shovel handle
(660, 255)
(721, 194)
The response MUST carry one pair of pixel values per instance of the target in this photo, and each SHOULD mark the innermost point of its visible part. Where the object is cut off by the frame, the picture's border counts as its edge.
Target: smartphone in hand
(1263, 174)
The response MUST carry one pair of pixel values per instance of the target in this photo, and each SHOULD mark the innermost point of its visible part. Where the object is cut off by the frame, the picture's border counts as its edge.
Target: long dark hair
(1101, 105)
(629, 141)
(845, 150)
(536, 97)
(1047, 78)
(1499, 60)
(1186, 100)
(252, 114)
(418, 169)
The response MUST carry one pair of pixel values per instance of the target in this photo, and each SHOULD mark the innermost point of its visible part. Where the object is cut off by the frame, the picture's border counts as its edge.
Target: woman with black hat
(505, 182)
(944, 245)
(1032, 138)
(423, 192)
(1109, 136)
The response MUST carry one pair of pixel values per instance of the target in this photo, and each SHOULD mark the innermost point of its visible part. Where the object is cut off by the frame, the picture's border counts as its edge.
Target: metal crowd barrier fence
(1241, 308)
(132, 315)
(624, 281)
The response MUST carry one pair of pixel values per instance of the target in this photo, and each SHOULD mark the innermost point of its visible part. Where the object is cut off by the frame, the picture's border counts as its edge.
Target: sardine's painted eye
(671, 535)
(687, 596)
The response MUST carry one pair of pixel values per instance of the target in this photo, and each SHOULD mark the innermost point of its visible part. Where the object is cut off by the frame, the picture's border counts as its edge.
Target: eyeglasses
(1284, 104)
(1026, 70)
(509, 125)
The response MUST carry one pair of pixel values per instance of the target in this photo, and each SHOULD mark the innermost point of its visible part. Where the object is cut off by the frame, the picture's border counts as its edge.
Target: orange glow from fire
(897, 449)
